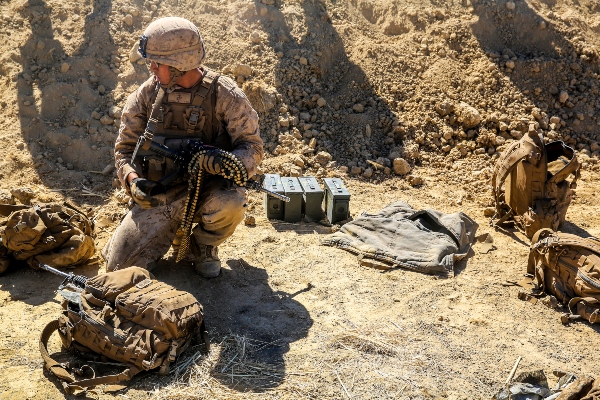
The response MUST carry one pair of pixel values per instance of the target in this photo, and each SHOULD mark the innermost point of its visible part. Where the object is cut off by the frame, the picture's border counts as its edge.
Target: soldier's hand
(143, 192)
(211, 162)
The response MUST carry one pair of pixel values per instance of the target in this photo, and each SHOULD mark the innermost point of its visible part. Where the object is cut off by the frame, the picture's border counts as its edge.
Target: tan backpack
(537, 192)
(568, 267)
(124, 316)
(56, 234)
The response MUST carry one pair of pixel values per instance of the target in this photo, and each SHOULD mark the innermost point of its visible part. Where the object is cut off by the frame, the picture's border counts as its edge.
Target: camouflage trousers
(144, 236)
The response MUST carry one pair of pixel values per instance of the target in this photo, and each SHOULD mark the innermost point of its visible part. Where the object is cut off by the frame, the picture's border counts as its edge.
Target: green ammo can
(312, 198)
(292, 211)
(337, 200)
(273, 206)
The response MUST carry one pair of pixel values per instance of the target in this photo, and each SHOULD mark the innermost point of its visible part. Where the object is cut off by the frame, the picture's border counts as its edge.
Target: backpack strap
(61, 372)
(557, 149)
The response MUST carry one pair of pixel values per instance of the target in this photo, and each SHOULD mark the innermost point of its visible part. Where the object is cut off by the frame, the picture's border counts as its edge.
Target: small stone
(304, 116)
(284, 122)
(444, 108)
(359, 108)
(108, 169)
(401, 166)
(510, 64)
(255, 37)
(59, 160)
(268, 2)
(101, 89)
(344, 169)
(24, 195)
(323, 157)
(542, 25)
(96, 115)
(115, 112)
(368, 173)
(249, 220)
(321, 102)
(489, 212)
(414, 180)
(20, 145)
(313, 143)
(106, 120)
(368, 131)
(355, 170)
(128, 20)
(510, 5)
(26, 103)
(303, 61)
(64, 67)
(563, 97)
(594, 146)
(242, 70)
(297, 160)
(6, 197)
(468, 116)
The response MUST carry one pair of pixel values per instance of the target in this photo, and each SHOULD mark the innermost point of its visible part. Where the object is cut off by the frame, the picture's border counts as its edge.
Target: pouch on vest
(531, 183)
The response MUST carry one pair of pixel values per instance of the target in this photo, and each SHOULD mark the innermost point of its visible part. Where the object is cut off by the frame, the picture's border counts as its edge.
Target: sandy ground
(343, 88)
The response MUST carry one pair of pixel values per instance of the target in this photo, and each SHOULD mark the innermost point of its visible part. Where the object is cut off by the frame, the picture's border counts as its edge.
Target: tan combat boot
(207, 263)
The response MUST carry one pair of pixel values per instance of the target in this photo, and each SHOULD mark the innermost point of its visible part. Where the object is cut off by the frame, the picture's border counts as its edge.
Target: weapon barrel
(48, 268)
(257, 186)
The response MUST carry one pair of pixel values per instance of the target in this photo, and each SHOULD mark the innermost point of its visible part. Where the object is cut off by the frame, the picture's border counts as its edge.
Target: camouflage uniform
(145, 235)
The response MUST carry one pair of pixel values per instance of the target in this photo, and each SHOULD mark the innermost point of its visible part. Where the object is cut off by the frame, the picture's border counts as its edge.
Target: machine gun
(71, 281)
(182, 159)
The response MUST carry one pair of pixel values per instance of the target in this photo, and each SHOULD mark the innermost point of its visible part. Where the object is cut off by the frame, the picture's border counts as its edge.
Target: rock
(444, 108)
(321, 102)
(510, 64)
(242, 70)
(489, 212)
(101, 89)
(6, 197)
(249, 220)
(401, 166)
(24, 194)
(20, 145)
(368, 173)
(304, 116)
(284, 122)
(134, 55)
(414, 180)
(297, 160)
(96, 115)
(468, 116)
(303, 61)
(313, 143)
(563, 97)
(368, 131)
(115, 112)
(355, 170)
(510, 5)
(106, 120)
(108, 169)
(128, 20)
(358, 108)
(323, 157)
(255, 37)
(344, 169)
(542, 25)
(594, 146)
(268, 2)
(64, 67)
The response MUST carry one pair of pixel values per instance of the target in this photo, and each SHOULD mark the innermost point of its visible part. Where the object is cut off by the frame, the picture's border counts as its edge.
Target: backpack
(56, 234)
(567, 267)
(537, 192)
(125, 316)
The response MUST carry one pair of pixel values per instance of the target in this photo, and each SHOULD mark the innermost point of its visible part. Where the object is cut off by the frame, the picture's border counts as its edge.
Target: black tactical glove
(211, 162)
(144, 190)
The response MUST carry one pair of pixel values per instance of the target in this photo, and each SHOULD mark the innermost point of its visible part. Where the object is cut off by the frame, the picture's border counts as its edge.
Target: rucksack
(125, 316)
(537, 192)
(56, 234)
(568, 267)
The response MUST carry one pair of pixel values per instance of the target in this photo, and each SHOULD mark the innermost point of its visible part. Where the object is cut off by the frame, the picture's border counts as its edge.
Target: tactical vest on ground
(537, 192)
(185, 114)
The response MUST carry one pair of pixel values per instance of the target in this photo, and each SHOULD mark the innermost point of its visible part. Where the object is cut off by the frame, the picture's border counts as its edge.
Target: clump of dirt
(403, 100)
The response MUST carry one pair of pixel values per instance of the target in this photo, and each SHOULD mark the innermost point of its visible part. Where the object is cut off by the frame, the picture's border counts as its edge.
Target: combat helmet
(173, 41)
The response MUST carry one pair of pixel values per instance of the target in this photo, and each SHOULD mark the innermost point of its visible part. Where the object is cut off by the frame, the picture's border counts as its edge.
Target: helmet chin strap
(175, 74)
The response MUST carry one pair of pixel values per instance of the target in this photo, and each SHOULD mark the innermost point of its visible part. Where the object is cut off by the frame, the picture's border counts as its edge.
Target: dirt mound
(410, 100)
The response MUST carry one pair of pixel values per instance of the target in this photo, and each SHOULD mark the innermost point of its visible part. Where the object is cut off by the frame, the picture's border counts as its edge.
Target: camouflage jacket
(232, 109)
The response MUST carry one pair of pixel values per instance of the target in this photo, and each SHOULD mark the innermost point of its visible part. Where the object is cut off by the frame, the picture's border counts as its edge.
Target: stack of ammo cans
(306, 198)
